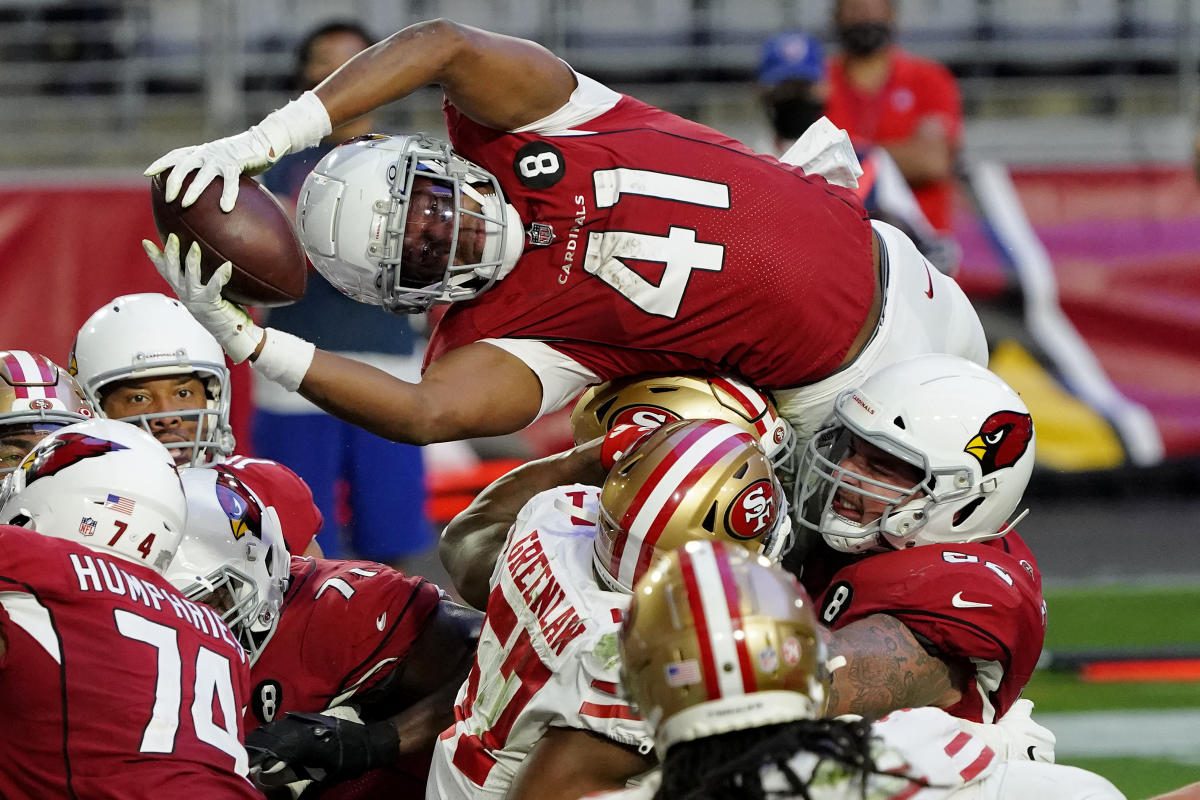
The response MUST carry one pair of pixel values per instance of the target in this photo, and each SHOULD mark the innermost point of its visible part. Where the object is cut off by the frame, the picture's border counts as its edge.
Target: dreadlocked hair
(702, 769)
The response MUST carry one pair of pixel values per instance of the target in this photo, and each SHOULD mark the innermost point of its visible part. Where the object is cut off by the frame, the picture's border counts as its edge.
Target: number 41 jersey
(112, 685)
(547, 653)
(655, 244)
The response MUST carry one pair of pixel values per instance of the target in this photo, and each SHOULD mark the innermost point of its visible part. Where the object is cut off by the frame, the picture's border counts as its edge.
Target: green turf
(1122, 616)
(1117, 617)
(1139, 778)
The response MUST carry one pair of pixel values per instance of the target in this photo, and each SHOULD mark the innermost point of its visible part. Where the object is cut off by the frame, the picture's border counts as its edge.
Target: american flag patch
(683, 673)
(122, 505)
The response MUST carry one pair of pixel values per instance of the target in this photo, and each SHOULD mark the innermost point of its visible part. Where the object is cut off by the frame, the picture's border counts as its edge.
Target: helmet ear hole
(710, 519)
(899, 423)
(741, 471)
(19, 521)
(965, 512)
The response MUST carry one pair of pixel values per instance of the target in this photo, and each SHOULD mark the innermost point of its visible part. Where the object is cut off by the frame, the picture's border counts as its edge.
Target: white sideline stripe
(720, 626)
(1049, 326)
(33, 618)
(1145, 733)
(661, 494)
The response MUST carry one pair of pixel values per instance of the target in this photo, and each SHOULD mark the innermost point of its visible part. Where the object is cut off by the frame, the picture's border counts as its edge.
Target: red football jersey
(276, 485)
(980, 601)
(344, 627)
(656, 244)
(112, 685)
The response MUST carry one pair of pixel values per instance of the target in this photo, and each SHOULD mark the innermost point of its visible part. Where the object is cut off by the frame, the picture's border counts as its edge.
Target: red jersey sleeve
(970, 601)
(276, 485)
(344, 628)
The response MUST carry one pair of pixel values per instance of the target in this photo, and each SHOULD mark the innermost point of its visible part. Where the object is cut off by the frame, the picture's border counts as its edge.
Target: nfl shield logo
(540, 234)
(87, 526)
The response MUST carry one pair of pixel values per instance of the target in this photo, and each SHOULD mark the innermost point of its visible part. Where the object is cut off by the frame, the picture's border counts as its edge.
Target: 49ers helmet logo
(63, 451)
(646, 416)
(752, 513)
(1002, 439)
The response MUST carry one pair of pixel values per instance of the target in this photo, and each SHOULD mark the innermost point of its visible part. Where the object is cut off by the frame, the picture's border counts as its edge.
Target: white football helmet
(151, 336)
(654, 400)
(397, 222)
(718, 640)
(693, 479)
(959, 424)
(36, 397)
(104, 483)
(233, 556)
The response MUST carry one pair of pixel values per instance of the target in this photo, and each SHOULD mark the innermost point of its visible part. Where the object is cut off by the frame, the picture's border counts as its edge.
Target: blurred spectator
(371, 491)
(882, 94)
(794, 90)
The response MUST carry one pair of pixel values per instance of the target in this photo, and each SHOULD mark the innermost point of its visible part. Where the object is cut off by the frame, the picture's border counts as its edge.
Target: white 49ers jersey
(547, 654)
(928, 757)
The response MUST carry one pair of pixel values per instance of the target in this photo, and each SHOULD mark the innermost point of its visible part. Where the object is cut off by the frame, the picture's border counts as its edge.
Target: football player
(722, 655)
(542, 713)
(639, 404)
(320, 634)
(594, 235)
(37, 397)
(912, 486)
(112, 684)
(142, 358)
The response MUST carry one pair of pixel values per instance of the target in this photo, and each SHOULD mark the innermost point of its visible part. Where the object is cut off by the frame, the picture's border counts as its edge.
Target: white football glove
(284, 358)
(229, 323)
(301, 123)
(1015, 736)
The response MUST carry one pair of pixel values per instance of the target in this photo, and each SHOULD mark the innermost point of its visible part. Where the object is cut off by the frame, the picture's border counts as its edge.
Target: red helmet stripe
(622, 537)
(751, 402)
(749, 682)
(708, 664)
(654, 532)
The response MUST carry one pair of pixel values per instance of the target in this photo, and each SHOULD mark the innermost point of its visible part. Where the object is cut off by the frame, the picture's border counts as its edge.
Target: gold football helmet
(718, 639)
(692, 479)
(36, 398)
(659, 399)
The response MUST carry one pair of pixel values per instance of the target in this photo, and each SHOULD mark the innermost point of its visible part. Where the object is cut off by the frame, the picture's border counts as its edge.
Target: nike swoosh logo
(958, 602)
(381, 620)
(929, 275)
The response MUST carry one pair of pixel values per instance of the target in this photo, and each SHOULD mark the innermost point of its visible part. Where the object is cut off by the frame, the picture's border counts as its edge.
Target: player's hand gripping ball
(269, 265)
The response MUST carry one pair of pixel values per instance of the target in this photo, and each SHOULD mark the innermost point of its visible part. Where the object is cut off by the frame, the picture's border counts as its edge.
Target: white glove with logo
(1015, 736)
(301, 123)
(284, 358)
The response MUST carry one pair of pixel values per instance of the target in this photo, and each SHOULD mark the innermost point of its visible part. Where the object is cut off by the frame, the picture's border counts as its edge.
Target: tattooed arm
(879, 666)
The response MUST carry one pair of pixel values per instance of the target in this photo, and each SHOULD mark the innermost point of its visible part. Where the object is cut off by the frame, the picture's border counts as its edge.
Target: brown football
(269, 265)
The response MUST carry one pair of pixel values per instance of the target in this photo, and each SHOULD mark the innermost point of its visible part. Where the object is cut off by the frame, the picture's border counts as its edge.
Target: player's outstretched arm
(879, 666)
(569, 763)
(472, 541)
(475, 390)
(499, 81)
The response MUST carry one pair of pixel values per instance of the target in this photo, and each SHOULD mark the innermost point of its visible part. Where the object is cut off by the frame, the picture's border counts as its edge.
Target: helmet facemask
(963, 435)
(367, 221)
(149, 336)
